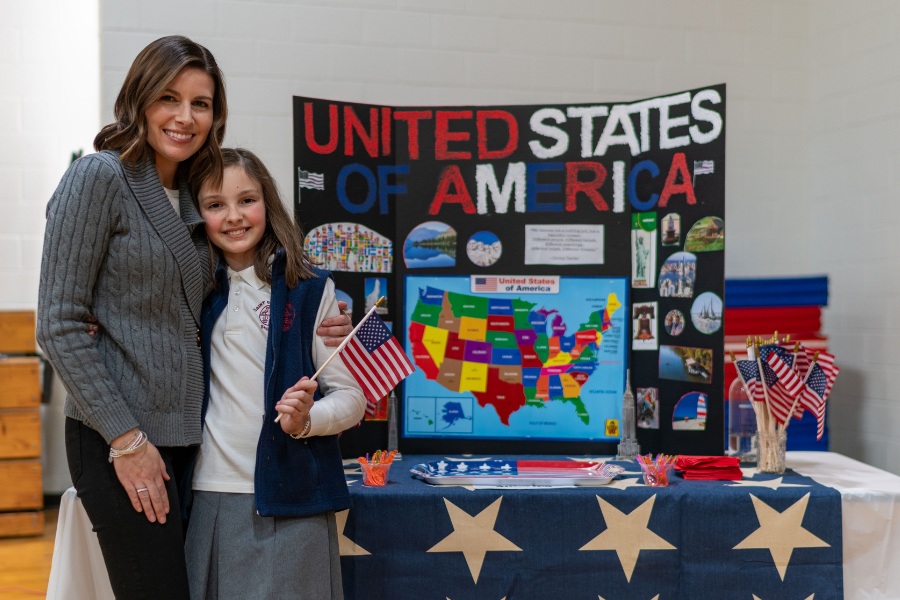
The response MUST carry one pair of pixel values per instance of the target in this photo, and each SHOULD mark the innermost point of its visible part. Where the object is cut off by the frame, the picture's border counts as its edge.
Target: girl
(262, 522)
(122, 245)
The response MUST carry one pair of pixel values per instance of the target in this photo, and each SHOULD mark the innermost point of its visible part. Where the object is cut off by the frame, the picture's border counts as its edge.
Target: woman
(124, 244)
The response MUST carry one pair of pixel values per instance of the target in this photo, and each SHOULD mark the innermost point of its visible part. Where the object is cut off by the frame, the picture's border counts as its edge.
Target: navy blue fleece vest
(293, 478)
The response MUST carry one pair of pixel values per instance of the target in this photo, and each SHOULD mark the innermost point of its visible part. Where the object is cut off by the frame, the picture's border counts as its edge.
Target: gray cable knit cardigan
(115, 249)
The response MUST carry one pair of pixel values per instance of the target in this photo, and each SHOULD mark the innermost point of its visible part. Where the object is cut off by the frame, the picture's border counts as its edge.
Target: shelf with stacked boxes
(21, 488)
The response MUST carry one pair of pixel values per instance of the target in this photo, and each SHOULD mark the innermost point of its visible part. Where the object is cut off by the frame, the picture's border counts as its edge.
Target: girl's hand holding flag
(294, 407)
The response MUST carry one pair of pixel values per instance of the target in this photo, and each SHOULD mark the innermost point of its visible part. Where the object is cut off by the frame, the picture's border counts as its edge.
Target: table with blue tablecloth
(765, 536)
(828, 528)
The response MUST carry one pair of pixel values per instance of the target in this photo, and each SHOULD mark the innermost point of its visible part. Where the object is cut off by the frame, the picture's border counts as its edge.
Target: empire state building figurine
(628, 445)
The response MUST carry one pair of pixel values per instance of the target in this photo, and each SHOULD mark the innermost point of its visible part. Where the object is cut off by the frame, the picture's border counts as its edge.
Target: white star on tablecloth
(774, 484)
(781, 532)
(346, 546)
(474, 536)
(627, 534)
(623, 483)
(749, 472)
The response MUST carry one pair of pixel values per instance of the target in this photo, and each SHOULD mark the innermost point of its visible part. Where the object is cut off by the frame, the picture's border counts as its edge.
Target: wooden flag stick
(347, 339)
(762, 377)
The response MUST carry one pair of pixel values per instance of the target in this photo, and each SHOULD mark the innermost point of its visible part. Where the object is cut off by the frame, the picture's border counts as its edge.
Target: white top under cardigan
(235, 413)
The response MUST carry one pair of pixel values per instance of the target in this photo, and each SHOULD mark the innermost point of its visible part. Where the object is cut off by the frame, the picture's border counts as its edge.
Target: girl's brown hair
(153, 69)
(281, 229)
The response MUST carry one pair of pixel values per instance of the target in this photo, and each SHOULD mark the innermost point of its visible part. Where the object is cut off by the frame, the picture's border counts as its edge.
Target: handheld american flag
(375, 359)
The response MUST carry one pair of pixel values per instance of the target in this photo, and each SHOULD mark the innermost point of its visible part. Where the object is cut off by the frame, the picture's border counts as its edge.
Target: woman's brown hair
(281, 229)
(153, 69)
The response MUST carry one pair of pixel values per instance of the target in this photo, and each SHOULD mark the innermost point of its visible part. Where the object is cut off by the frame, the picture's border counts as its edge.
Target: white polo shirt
(237, 403)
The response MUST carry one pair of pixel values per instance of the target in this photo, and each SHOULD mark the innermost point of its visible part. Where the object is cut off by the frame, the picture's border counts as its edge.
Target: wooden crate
(21, 488)
(22, 523)
(17, 332)
(21, 387)
(20, 485)
(20, 433)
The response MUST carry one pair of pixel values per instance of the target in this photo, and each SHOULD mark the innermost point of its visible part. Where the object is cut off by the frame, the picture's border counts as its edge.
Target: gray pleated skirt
(234, 553)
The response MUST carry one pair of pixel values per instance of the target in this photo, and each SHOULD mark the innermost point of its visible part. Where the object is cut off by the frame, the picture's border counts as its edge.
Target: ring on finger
(139, 490)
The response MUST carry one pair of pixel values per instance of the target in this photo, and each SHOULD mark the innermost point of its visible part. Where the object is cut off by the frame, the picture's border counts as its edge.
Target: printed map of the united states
(506, 352)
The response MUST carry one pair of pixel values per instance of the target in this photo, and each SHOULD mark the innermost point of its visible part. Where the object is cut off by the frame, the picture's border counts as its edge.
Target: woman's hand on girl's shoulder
(93, 327)
(335, 329)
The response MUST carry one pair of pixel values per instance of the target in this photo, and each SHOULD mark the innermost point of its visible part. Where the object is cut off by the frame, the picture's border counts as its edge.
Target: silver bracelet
(305, 431)
(139, 439)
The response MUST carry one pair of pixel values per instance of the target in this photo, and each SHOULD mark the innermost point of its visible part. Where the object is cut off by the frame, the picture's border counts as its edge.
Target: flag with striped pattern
(783, 385)
(376, 360)
(819, 381)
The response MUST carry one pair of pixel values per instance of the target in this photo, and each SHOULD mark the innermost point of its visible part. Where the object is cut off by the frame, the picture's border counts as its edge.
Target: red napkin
(709, 467)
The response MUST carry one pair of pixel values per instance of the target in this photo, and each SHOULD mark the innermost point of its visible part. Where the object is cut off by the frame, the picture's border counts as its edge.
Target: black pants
(145, 560)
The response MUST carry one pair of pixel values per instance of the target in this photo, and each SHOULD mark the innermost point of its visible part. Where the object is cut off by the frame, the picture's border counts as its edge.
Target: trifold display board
(530, 256)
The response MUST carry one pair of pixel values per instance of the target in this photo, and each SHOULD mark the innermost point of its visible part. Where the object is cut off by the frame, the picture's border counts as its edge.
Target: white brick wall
(813, 120)
(853, 210)
(49, 107)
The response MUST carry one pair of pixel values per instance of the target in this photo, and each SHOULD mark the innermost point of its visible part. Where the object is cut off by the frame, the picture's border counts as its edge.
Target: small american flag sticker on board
(704, 167)
(484, 284)
(310, 180)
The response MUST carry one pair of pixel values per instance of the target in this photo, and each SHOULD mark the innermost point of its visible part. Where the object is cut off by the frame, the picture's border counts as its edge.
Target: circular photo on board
(706, 313)
(674, 322)
(430, 244)
(484, 248)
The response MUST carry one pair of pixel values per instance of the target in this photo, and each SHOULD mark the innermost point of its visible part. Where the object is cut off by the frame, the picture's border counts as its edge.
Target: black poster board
(643, 180)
